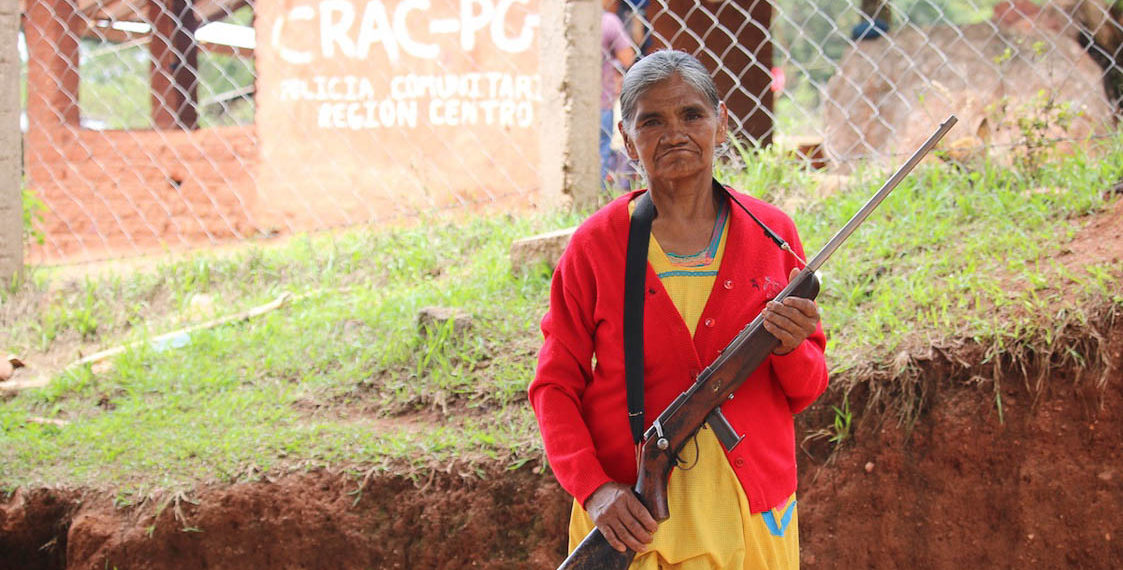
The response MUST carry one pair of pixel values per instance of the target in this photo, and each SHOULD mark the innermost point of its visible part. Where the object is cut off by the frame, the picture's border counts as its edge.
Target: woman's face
(675, 131)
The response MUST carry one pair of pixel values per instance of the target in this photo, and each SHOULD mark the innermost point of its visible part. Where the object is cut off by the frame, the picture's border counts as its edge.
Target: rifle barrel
(844, 233)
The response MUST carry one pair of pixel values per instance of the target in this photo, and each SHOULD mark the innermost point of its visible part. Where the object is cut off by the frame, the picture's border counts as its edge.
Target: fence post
(11, 209)
(569, 67)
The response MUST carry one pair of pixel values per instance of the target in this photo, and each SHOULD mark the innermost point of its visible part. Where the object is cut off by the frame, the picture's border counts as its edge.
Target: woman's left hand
(791, 320)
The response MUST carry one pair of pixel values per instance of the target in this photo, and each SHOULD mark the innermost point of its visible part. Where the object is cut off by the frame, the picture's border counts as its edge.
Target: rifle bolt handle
(662, 443)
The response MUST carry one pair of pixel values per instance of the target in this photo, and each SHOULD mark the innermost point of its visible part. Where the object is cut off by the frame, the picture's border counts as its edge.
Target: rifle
(701, 403)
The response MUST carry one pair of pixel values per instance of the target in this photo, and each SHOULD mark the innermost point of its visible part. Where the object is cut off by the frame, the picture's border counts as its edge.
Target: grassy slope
(341, 376)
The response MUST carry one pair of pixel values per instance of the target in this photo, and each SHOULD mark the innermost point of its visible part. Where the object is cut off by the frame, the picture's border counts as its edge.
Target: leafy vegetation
(342, 374)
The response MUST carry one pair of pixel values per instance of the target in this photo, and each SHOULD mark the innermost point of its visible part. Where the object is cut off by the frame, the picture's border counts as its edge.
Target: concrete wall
(369, 111)
(570, 163)
(11, 211)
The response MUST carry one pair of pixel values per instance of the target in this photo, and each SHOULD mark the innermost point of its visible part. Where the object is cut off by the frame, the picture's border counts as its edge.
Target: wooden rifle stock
(595, 552)
(686, 414)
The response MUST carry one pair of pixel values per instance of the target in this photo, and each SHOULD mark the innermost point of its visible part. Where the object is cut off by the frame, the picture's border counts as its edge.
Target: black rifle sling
(720, 189)
(635, 277)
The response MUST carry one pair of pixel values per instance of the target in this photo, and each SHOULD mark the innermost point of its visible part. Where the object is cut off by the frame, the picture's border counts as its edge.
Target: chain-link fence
(847, 80)
(156, 124)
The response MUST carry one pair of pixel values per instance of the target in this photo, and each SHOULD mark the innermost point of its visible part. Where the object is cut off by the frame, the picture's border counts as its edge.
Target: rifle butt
(594, 553)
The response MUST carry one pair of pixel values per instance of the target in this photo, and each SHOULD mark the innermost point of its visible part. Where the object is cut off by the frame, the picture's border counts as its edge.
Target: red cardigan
(578, 392)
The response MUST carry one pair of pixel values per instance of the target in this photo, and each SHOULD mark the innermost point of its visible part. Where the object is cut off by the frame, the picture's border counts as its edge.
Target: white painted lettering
(352, 102)
(472, 22)
(405, 112)
(526, 87)
(410, 28)
(499, 29)
(506, 87)
(524, 114)
(321, 83)
(375, 27)
(291, 89)
(365, 90)
(386, 113)
(295, 57)
(436, 117)
(401, 29)
(507, 113)
(470, 113)
(489, 108)
(333, 31)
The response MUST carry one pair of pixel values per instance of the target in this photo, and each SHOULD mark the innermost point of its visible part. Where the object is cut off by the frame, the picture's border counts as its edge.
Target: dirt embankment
(312, 520)
(1040, 487)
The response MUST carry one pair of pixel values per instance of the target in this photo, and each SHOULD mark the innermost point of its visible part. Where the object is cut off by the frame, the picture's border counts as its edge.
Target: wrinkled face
(675, 131)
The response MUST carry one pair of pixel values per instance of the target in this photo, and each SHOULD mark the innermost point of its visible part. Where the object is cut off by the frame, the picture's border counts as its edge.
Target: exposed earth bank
(1040, 487)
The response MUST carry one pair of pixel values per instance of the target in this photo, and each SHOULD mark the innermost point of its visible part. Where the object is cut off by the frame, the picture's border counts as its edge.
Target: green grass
(953, 254)
(341, 376)
(304, 384)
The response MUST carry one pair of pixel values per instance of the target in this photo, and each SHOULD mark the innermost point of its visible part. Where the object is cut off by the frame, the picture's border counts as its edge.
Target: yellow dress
(706, 528)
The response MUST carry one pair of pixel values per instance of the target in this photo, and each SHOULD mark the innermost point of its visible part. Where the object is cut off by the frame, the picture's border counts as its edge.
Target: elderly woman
(710, 270)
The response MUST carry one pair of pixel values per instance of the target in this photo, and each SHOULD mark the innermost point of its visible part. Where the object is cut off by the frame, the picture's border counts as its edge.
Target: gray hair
(658, 66)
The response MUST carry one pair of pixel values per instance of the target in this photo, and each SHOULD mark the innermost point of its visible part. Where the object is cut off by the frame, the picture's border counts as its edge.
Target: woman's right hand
(621, 517)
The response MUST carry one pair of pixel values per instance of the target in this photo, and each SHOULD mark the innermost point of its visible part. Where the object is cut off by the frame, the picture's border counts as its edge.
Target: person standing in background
(617, 56)
(634, 15)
